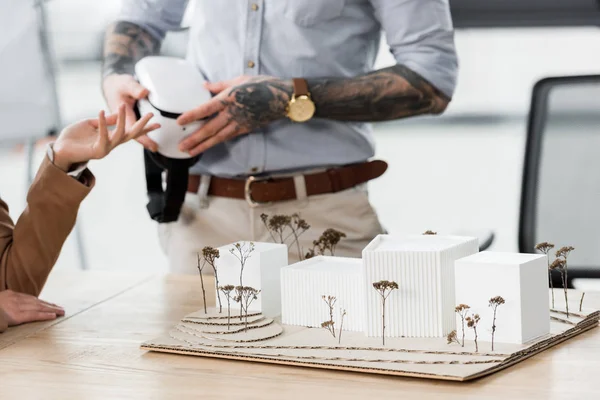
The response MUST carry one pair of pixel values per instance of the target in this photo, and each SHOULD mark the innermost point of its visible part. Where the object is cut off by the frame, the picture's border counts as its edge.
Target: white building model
(520, 279)
(261, 272)
(423, 268)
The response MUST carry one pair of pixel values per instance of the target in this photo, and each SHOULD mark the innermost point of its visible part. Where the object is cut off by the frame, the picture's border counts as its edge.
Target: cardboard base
(315, 347)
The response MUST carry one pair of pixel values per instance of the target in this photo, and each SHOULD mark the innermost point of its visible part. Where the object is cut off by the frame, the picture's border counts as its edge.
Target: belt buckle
(248, 191)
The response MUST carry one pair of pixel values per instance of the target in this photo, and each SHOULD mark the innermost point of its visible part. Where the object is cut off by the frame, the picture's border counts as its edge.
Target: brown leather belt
(257, 190)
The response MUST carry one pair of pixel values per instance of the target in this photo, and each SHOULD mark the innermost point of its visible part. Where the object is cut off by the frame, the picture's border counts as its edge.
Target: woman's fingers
(117, 135)
(138, 128)
(34, 316)
(103, 139)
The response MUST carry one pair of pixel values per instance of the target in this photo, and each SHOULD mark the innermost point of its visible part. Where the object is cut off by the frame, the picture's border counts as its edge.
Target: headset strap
(165, 206)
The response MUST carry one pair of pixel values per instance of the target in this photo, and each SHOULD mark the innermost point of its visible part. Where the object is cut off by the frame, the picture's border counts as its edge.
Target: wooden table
(93, 353)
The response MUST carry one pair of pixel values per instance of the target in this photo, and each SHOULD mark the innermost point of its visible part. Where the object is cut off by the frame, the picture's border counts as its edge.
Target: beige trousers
(218, 221)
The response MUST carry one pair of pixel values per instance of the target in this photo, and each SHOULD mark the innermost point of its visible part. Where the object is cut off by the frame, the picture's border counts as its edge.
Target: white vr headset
(174, 86)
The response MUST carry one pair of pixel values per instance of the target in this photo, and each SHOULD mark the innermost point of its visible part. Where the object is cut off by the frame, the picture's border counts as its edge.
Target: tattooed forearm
(126, 43)
(387, 94)
(258, 102)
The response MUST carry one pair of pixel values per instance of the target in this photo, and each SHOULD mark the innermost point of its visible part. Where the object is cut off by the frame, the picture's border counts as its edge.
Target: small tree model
(329, 325)
(245, 295)
(342, 315)
(227, 289)
(472, 322)
(494, 303)
(462, 310)
(210, 255)
(278, 225)
(581, 301)
(326, 242)
(453, 338)
(201, 266)
(242, 252)
(384, 288)
(430, 233)
(545, 248)
(562, 254)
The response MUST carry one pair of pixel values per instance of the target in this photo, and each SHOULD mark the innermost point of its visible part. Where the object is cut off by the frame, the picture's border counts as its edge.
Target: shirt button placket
(256, 142)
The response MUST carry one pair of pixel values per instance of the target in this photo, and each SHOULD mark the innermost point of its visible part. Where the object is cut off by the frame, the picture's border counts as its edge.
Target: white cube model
(261, 271)
(303, 284)
(423, 267)
(520, 279)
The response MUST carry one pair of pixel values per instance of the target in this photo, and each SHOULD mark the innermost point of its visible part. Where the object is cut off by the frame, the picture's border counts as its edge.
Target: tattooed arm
(386, 94)
(125, 44)
(247, 103)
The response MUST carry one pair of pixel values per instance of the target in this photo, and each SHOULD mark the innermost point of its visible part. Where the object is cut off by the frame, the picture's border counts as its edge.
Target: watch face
(301, 109)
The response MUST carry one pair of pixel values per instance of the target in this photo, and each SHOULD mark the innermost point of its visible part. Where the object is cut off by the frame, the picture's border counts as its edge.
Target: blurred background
(461, 172)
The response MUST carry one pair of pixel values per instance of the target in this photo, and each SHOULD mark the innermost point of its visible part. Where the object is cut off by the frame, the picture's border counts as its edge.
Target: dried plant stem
(462, 344)
(383, 322)
(494, 303)
(581, 301)
(476, 345)
(494, 327)
(551, 283)
(563, 274)
(200, 268)
(342, 314)
(242, 252)
(227, 289)
(210, 255)
(228, 313)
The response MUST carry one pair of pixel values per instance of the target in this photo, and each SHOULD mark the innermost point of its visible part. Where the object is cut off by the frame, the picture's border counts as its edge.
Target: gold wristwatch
(300, 108)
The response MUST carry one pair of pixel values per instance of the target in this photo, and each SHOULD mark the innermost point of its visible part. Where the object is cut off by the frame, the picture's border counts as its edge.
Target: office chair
(560, 201)
(29, 108)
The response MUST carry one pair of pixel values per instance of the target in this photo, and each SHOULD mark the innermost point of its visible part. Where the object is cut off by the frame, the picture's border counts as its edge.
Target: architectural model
(521, 279)
(395, 311)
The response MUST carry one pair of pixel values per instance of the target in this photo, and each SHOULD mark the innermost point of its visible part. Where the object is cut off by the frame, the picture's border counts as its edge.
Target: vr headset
(175, 86)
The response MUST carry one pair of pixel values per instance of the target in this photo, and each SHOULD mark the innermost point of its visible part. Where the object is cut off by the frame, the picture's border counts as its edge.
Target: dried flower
(563, 252)
(494, 303)
(330, 301)
(245, 295)
(559, 264)
(327, 241)
(384, 288)
(544, 247)
(472, 322)
(278, 225)
(452, 338)
(429, 233)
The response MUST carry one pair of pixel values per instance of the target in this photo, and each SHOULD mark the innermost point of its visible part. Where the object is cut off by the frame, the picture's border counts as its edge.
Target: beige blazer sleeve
(29, 249)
